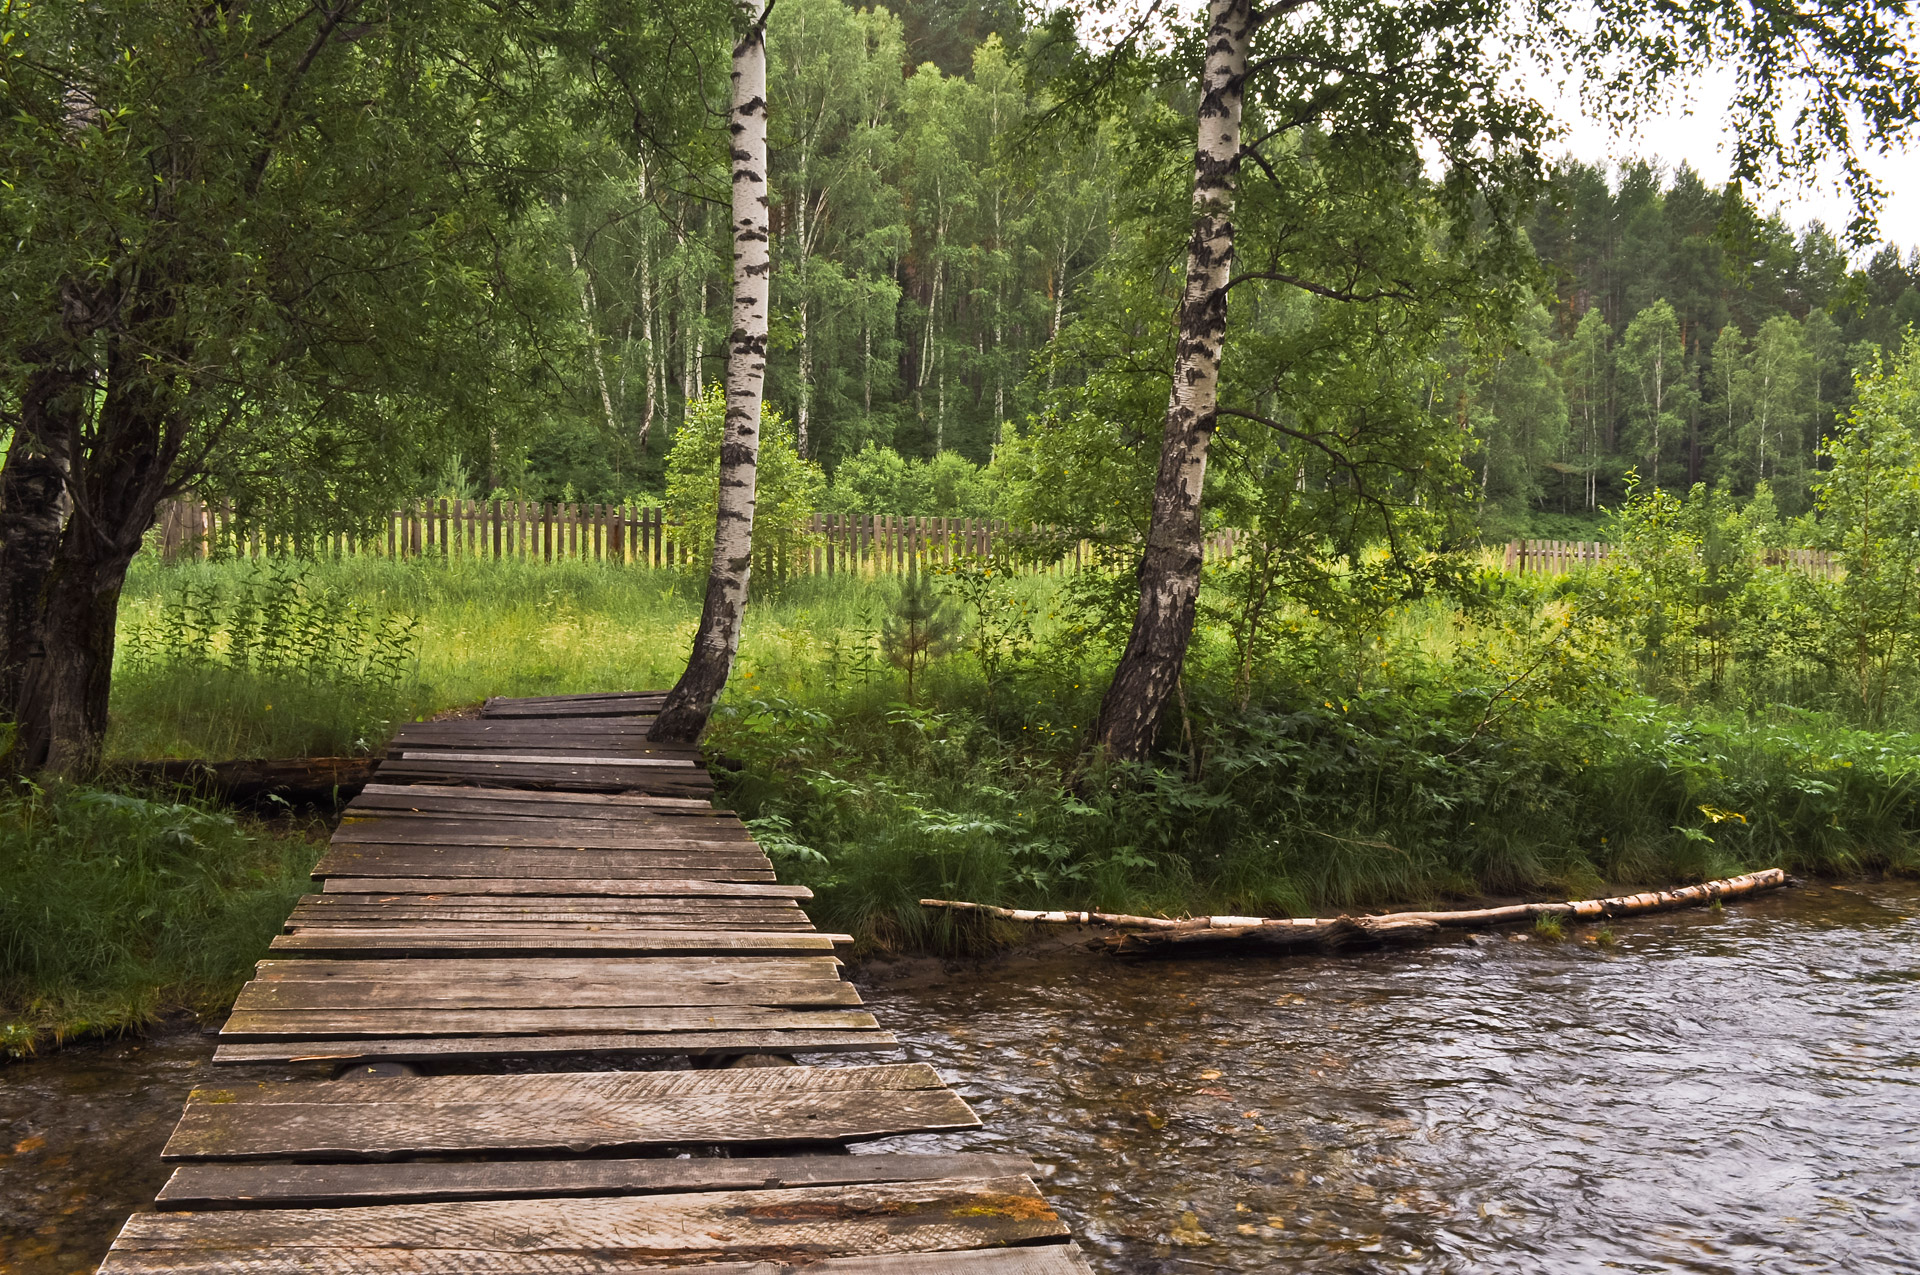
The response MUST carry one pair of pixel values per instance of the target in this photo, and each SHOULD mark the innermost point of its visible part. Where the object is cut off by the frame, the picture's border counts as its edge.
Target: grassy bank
(1479, 740)
(117, 908)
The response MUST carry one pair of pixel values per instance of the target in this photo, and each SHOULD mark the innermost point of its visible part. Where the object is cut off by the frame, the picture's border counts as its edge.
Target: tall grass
(483, 628)
(115, 908)
(1429, 751)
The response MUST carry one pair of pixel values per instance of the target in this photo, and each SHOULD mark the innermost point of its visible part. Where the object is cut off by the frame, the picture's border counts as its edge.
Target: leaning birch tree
(1374, 91)
(688, 705)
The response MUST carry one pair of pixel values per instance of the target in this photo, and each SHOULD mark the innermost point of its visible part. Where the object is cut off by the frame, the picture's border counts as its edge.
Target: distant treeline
(930, 246)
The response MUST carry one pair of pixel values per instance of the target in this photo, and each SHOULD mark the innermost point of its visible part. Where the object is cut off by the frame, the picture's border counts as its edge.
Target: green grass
(1363, 769)
(117, 908)
(508, 628)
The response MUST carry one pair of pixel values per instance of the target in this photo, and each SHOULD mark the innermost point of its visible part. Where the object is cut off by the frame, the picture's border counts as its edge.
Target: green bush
(787, 493)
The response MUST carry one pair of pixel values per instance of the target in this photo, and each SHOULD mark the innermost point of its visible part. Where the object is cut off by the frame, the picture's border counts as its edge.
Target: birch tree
(684, 715)
(1368, 83)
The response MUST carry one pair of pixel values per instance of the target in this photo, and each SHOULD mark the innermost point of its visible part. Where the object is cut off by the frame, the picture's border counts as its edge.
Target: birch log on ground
(684, 715)
(1146, 935)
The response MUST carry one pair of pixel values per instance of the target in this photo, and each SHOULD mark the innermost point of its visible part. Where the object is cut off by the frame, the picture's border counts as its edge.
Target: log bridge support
(539, 967)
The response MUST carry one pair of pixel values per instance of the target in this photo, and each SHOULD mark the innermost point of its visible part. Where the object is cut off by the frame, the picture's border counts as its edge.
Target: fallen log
(1140, 935)
(298, 780)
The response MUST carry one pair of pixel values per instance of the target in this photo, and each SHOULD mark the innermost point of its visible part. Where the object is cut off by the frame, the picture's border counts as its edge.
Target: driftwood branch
(1145, 934)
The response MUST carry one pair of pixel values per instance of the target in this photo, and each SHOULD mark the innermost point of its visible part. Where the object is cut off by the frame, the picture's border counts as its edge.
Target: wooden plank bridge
(552, 997)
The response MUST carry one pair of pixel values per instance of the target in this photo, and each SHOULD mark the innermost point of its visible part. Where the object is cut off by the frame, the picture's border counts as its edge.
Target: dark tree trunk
(1170, 568)
(33, 509)
(684, 716)
(61, 717)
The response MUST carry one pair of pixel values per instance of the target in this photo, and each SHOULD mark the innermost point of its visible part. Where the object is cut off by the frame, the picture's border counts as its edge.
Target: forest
(311, 262)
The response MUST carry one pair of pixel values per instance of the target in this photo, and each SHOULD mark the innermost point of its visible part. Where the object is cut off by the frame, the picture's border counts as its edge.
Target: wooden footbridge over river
(548, 998)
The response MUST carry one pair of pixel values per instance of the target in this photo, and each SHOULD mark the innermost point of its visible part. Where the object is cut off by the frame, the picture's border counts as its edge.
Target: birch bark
(684, 715)
(1170, 568)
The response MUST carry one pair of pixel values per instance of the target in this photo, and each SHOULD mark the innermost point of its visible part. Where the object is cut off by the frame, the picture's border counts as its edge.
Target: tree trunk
(34, 505)
(1170, 567)
(61, 717)
(684, 715)
(646, 325)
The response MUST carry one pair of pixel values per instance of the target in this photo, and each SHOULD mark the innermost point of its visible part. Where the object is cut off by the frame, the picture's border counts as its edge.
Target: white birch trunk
(1170, 568)
(587, 307)
(684, 715)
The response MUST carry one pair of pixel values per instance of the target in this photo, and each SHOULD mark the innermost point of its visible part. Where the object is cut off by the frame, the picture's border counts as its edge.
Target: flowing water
(1734, 1092)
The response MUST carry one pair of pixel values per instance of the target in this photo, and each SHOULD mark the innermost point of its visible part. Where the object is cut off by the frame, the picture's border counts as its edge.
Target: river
(1734, 1092)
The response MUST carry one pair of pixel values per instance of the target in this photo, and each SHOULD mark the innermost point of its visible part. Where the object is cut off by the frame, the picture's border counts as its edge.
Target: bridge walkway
(539, 1016)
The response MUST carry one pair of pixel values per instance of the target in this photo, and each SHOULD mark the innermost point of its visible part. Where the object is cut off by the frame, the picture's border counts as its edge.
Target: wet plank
(338, 1023)
(507, 861)
(1047, 1259)
(784, 1225)
(569, 757)
(451, 1050)
(556, 776)
(552, 834)
(589, 908)
(364, 995)
(498, 887)
(474, 940)
(706, 969)
(276, 1184)
(557, 1114)
(480, 792)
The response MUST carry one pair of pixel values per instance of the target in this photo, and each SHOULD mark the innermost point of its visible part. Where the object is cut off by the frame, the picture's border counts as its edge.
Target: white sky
(1697, 135)
(1693, 129)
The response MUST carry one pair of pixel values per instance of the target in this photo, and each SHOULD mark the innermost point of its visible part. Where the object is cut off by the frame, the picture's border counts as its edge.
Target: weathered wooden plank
(556, 711)
(512, 727)
(618, 1087)
(470, 1049)
(552, 775)
(613, 1233)
(370, 1024)
(358, 909)
(578, 697)
(546, 834)
(275, 1184)
(571, 887)
(501, 861)
(555, 1126)
(541, 924)
(664, 969)
(476, 906)
(516, 905)
(1044, 1259)
(479, 792)
(516, 814)
(370, 995)
(583, 757)
(786, 1225)
(475, 941)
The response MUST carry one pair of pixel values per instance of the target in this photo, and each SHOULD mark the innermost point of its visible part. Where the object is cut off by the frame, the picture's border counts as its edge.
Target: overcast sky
(1697, 136)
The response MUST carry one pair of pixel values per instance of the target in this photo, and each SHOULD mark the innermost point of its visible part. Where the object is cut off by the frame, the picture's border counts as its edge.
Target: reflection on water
(1733, 1093)
(80, 1138)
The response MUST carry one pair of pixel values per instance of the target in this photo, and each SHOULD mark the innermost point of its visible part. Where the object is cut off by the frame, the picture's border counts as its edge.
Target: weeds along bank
(1376, 743)
(116, 908)
(1387, 740)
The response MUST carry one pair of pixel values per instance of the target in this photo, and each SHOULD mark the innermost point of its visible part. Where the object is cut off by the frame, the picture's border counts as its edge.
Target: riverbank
(120, 908)
(1431, 753)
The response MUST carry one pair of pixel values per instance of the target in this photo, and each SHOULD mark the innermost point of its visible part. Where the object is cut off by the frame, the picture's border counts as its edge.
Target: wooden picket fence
(630, 535)
(1562, 557)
